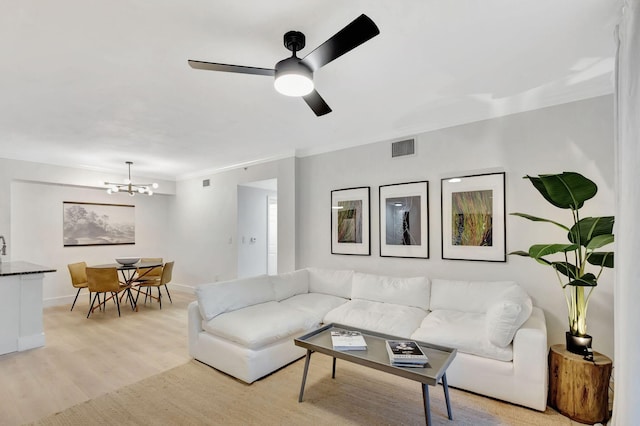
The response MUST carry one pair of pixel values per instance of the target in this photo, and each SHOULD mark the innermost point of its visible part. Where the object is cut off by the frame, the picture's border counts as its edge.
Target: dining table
(129, 272)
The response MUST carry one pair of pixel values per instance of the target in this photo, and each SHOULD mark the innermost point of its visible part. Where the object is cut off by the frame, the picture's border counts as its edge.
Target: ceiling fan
(294, 76)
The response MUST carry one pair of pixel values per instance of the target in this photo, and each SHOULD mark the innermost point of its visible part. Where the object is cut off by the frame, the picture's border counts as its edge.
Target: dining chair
(103, 281)
(78, 273)
(165, 278)
(151, 274)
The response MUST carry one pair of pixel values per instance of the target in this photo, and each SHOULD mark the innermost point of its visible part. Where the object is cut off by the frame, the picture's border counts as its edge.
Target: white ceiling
(94, 83)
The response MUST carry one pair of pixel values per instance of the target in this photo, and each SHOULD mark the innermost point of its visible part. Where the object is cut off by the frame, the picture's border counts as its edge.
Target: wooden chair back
(167, 272)
(78, 273)
(150, 273)
(103, 280)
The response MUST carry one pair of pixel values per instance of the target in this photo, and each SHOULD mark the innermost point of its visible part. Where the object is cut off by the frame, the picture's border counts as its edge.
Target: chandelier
(130, 187)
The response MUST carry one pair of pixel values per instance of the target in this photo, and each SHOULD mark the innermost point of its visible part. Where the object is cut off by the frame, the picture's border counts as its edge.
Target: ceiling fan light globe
(293, 85)
(293, 78)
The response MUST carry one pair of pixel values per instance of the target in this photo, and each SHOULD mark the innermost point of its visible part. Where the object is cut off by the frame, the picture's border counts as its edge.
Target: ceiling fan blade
(353, 35)
(316, 103)
(212, 66)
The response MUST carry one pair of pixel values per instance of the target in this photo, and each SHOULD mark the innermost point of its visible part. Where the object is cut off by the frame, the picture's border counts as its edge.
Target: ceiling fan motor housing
(294, 41)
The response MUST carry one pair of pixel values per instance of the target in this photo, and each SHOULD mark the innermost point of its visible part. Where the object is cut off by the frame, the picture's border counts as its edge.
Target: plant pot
(578, 344)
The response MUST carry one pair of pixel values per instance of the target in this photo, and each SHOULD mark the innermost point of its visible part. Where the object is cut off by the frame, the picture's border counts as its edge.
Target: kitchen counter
(21, 268)
(21, 306)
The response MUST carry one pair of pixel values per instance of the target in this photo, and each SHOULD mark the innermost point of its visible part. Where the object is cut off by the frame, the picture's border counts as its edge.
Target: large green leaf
(539, 219)
(520, 253)
(567, 190)
(589, 228)
(538, 250)
(600, 241)
(587, 280)
(566, 269)
(600, 258)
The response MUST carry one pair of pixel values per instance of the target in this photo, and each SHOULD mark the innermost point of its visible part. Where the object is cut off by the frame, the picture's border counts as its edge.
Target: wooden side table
(579, 389)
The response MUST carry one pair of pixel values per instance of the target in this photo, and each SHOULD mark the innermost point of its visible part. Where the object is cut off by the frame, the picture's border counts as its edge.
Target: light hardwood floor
(84, 358)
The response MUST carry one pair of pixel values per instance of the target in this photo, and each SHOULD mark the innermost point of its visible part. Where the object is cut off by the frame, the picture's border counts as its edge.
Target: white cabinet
(21, 325)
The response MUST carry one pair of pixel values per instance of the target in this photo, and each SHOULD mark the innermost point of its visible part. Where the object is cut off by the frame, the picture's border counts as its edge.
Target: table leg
(304, 375)
(445, 387)
(333, 371)
(425, 398)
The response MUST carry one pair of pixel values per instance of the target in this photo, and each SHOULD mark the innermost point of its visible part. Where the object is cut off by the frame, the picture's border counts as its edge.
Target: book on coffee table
(347, 340)
(405, 353)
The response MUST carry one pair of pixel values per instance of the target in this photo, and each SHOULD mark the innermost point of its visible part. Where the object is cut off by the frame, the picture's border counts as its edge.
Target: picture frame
(96, 224)
(404, 220)
(350, 221)
(473, 217)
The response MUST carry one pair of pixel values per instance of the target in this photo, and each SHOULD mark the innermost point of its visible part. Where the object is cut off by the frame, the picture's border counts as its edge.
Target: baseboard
(30, 342)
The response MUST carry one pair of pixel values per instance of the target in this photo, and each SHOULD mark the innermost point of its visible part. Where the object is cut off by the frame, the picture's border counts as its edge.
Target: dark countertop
(22, 268)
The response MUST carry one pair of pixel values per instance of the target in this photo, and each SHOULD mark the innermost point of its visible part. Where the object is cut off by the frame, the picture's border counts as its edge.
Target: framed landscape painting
(404, 220)
(350, 217)
(473, 217)
(92, 224)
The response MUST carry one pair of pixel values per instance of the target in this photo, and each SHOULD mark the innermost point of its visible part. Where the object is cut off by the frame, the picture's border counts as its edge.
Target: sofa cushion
(401, 291)
(464, 331)
(388, 318)
(225, 296)
(260, 325)
(317, 304)
(505, 316)
(466, 296)
(330, 281)
(290, 283)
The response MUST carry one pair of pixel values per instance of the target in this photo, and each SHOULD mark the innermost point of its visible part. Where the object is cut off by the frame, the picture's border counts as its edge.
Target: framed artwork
(350, 217)
(92, 224)
(404, 220)
(473, 218)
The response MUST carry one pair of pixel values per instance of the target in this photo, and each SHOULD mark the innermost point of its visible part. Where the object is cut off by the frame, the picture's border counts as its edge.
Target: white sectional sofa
(246, 327)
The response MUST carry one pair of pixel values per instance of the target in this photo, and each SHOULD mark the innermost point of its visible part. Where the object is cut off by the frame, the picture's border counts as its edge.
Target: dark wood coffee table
(376, 357)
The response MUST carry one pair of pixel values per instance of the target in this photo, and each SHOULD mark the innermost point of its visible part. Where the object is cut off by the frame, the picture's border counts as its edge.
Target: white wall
(205, 220)
(252, 224)
(571, 137)
(36, 231)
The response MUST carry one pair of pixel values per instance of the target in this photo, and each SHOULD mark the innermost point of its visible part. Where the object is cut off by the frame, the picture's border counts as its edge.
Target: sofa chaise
(246, 327)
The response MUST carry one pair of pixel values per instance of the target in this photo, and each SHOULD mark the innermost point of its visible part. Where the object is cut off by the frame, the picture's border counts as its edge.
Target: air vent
(402, 148)
(206, 182)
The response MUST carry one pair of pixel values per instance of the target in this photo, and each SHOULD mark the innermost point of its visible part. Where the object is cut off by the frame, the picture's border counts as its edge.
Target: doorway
(257, 237)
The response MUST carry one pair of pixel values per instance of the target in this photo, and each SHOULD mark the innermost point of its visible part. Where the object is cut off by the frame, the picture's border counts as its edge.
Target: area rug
(196, 394)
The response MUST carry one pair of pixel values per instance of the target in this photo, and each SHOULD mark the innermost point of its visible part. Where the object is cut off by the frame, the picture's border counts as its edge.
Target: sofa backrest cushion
(330, 281)
(290, 283)
(505, 316)
(506, 305)
(217, 298)
(400, 291)
(466, 296)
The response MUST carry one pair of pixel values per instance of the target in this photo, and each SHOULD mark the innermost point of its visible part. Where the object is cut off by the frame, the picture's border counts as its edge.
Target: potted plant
(586, 235)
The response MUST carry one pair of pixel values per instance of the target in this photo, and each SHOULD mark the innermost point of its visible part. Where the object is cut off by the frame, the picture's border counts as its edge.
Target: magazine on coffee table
(347, 340)
(405, 353)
